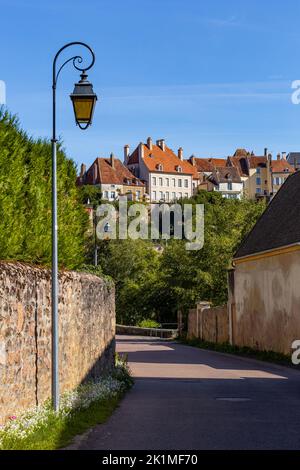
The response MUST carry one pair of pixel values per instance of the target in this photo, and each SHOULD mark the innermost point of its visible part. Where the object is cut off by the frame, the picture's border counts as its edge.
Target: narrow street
(186, 398)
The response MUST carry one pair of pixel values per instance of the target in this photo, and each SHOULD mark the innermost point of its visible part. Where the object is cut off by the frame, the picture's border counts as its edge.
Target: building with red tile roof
(113, 178)
(168, 176)
(205, 166)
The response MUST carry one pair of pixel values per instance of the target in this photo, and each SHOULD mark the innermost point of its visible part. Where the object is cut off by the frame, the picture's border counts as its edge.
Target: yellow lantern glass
(84, 100)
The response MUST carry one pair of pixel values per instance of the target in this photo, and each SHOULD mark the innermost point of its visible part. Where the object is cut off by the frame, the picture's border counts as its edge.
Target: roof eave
(260, 254)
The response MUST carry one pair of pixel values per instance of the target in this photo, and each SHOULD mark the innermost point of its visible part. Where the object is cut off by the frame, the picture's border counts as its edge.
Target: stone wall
(137, 331)
(209, 324)
(86, 333)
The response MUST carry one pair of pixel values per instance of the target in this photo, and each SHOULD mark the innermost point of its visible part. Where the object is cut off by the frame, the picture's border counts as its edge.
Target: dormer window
(178, 169)
(160, 167)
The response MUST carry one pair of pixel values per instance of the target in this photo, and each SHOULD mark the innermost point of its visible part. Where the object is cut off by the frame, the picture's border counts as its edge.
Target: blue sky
(207, 76)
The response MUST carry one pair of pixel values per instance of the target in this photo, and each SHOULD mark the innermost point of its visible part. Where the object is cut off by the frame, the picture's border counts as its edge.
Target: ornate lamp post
(84, 100)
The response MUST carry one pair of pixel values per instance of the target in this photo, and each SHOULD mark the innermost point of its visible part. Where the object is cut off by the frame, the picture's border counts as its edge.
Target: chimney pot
(112, 160)
(141, 151)
(180, 153)
(126, 154)
(82, 170)
(149, 143)
(161, 144)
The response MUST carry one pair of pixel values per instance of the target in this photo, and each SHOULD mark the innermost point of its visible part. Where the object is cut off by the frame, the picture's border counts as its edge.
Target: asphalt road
(189, 399)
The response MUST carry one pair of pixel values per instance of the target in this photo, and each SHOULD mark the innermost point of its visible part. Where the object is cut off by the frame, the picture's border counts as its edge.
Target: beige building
(264, 300)
(255, 172)
(281, 169)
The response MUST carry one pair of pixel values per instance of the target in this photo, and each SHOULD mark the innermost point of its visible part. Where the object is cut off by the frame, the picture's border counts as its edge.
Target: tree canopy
(152, 284)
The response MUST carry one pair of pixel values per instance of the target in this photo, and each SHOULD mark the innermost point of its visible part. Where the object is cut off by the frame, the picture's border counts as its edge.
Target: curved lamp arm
(75, 59)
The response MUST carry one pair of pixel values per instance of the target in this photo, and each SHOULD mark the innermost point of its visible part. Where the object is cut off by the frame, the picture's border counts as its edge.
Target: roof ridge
(266, 211)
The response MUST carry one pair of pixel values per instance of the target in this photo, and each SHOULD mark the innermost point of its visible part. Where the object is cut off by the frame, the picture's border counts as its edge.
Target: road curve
(185, 398)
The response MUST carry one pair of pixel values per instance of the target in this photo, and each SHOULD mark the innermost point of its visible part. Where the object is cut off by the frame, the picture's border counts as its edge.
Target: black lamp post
(84, 100)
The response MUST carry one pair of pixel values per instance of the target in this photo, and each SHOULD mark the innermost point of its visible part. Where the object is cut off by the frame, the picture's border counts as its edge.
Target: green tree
(25, 200)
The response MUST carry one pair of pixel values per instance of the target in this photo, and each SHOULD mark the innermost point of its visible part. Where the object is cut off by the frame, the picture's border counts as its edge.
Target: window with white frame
(167, 182)
(153, 181)
(186, 183)
(160, 181)
(153, 195)
(179, 183)
(173, 182)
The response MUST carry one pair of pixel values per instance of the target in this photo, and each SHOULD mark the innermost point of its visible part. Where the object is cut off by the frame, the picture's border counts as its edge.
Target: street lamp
(84, 101)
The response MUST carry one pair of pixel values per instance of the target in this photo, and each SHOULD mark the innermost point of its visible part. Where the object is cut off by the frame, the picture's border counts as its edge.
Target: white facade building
(228, 182)
(168, 176)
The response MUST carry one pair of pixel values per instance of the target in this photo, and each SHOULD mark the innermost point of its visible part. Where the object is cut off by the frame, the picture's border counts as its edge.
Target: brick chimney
(162, 144)
(112, 160)
(82, 170)
(149, 143)
(180, 153)
(95, 173)
(141, 151)
(126, 154)
(278, 156)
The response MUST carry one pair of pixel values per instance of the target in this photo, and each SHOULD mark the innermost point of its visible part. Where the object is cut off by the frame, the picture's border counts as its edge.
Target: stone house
(226, 181)
(255, 172)
(206, 166)
(113, 178)
(167, 175)
(280, 170)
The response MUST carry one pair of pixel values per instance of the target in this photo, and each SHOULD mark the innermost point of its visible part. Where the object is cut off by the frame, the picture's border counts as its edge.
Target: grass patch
(58, 432)
(268, 356)
(91, 404)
